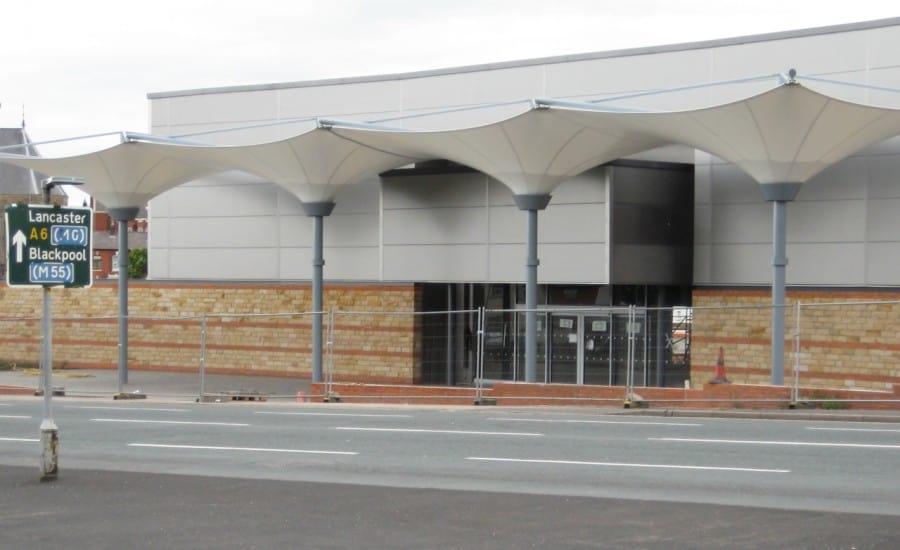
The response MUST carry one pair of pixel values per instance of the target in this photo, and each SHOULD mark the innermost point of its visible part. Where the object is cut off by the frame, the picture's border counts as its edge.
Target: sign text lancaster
(48, 245)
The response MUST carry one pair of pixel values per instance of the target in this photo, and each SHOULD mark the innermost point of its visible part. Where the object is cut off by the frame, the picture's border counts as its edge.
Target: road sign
(48, 245)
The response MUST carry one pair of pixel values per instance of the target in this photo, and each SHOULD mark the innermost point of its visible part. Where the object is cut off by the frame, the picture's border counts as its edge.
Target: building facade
(669, 227)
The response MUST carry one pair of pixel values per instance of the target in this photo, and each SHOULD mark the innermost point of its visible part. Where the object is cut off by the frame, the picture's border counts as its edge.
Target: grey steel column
(779, 194)
(317, 211)
(122, 217)
(532, 204)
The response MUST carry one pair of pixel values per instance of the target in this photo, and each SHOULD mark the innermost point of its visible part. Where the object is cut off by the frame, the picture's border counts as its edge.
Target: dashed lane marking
(628, 465)
(244, 449)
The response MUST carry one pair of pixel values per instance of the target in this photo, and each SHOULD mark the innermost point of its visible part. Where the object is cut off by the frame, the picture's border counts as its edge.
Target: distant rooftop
(15, 180)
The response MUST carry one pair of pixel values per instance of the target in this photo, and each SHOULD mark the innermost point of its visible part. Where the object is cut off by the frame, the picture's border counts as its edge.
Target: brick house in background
(106, 240)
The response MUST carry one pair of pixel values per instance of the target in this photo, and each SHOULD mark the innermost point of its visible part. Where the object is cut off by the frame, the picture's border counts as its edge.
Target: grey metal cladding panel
(353, 198)
(741, 264)
(846, 51)
(560, 263)
(703, 224)
(224, 200)
(435, 263)
(473, 88)
(593, 77)
(429, 191)
(742, 223)
(509, 225)
(352, 230)
(230, 264)
(844, 180)
(883, 264)
(884, 176)
(589, 186)
(826, 221)
(157, 263)
(702, 264)
(651, 264)
(730, 185)
(351, 263)
(826, 264)
(569, 223)
(223, 233)
(232, 108)
(570, 263)
(342, 100)
(884, 43)
(883, 220)
(499, 194)
(435, 226)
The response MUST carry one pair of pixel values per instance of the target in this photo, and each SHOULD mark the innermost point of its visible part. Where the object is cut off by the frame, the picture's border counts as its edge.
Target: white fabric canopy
(532, 152)
(785, 135)
(312, 165)
(128, 174)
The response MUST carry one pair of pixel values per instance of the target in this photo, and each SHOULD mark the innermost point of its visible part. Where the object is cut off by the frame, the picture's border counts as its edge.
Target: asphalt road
(335, 476)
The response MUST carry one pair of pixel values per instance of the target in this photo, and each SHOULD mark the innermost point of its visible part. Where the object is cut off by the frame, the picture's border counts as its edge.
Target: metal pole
(779, 194)
(203, 325)
(317, 211)
(531, 204)
(49, 431)
(779, 268)
(122, 217)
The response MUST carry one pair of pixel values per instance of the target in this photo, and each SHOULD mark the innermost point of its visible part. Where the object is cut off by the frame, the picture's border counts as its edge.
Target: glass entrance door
(596, 344)
(565, 344)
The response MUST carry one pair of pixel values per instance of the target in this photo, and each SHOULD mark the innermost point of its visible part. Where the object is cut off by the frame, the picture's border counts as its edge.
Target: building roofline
(627, 52)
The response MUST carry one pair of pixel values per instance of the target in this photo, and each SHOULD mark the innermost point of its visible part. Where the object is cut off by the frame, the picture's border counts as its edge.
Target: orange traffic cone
(720, 369)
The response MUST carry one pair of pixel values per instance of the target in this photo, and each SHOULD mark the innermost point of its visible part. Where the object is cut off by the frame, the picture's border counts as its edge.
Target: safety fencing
(714, 355)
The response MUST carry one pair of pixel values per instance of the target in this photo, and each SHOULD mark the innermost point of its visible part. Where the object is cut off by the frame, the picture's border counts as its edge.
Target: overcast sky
(85, 66)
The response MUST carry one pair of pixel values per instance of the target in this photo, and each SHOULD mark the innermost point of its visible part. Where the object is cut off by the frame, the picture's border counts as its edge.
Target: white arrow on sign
(19, 241)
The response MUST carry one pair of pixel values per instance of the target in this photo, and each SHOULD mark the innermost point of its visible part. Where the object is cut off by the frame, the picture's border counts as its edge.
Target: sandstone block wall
(250, 328)
(847, 339)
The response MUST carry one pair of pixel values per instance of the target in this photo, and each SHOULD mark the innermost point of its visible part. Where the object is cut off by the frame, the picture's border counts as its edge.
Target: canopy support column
(779, 195)
(317, 211)
(531, 204)
(122, 217)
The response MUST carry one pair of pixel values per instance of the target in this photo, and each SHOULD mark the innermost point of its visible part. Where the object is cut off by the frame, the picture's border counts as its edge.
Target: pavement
(181, 386)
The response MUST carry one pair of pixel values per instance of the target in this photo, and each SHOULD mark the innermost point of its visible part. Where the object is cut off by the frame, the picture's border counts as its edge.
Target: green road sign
(48, 245)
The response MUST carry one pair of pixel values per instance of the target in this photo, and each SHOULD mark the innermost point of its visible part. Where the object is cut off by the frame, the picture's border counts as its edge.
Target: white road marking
(14, 416)
(126, 408)
(354, 415)
(179, 422)
(856, 429)
(20, 439)
(783, 443)
(248, 449)
(570, 421)
(456, 432)
(629, 465)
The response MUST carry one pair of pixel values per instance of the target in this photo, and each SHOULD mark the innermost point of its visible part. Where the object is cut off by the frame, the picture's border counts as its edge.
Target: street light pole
(49, 430)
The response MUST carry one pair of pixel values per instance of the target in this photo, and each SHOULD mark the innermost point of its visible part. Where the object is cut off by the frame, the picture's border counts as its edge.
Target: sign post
(48, 246)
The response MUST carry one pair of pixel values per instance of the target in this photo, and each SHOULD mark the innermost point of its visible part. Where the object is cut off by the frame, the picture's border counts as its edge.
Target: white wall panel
(883, 264)
(883, 220)
(224, 264)
(435, 226)
(435, 263)
(826, 264)
(741, 223)
(229, 233)
(826, 221)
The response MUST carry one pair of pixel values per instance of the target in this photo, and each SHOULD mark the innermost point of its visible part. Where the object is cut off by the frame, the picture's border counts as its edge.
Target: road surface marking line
(126, 408)
(15, 416)
(179, 422)
(855, 429)
(23, 440)
(629, 422)
(249, 449)
(336, 414)
(456, 432)
(629, 465)
(785, 443)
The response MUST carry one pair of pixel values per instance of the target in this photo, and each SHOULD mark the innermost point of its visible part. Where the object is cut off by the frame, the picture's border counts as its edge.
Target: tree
(137, 263)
